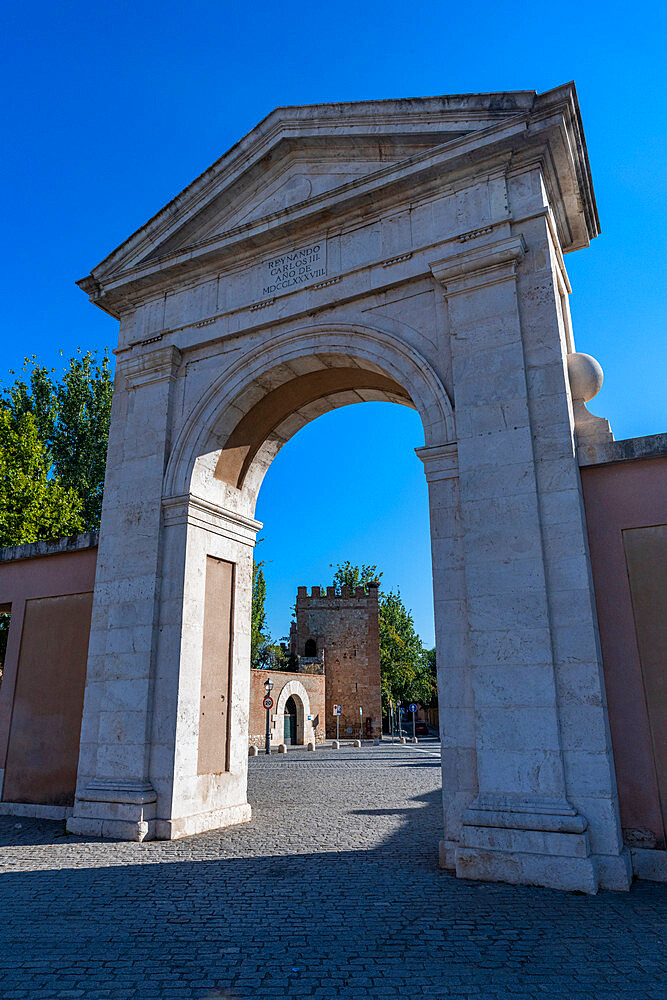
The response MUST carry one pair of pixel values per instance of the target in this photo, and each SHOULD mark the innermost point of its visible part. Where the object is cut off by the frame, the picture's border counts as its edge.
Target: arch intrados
(272, 444)
(214, 418)
(267, 415)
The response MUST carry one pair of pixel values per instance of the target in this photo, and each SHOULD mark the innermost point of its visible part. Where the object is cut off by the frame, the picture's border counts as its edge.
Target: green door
(290, 722)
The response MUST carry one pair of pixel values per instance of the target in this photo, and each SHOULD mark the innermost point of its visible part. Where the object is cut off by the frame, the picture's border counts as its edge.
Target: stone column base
(118, 810)
(547, 870)
(129, 812)
(568, 873)
(532, 843)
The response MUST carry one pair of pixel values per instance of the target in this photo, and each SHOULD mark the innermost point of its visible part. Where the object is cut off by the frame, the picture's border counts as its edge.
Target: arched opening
(246, 415)
(213, 479)
(293, 717)
(371, 506)
(297, 394)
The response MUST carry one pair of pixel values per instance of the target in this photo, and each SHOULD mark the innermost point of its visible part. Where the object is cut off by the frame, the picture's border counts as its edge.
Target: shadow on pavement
(376, 923)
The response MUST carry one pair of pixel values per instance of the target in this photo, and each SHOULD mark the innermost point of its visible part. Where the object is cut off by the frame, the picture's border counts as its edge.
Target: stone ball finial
(586, 376)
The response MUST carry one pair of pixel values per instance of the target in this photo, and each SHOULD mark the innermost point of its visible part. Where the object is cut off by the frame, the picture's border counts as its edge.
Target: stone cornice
(452, 160)
(127, 273)
(479, 265)
(50, 547)
(626, 450)
(440, 461)
(194, 511)
(340, 122)
(349, 285)
(152, 366)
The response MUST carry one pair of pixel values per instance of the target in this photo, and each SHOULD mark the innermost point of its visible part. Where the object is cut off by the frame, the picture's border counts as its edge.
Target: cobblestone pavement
(332, 891)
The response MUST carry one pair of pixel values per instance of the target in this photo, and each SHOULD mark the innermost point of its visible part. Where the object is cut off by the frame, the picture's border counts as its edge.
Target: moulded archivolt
(382, 349)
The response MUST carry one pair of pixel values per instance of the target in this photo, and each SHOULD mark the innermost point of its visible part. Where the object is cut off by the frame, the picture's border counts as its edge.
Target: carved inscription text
(294, 268)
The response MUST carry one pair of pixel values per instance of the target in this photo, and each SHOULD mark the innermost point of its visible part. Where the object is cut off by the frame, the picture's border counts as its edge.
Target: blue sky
(110, 109)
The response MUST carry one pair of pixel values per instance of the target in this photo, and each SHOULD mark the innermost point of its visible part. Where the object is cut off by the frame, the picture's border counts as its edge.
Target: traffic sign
(402, 710)
(338, 710)
(412, 707)
(268, 702)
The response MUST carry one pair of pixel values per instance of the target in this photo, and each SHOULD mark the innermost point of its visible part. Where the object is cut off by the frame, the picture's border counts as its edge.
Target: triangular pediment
(297, 154)
(302, 159)
(296, 172)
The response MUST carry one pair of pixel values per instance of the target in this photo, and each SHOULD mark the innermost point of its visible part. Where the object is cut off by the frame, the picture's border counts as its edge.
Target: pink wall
(30, 572)
(617, 497)
(621, 492)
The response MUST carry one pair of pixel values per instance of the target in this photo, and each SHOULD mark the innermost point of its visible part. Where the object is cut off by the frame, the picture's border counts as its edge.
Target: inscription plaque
(288, 271)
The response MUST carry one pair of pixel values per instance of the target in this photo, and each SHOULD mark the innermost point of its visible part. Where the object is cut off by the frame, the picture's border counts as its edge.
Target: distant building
(335, 647)
(341, 631)
(297, 715)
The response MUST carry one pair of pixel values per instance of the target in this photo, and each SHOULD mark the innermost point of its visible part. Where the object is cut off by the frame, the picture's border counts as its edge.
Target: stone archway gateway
(293, 692)
(404, 250)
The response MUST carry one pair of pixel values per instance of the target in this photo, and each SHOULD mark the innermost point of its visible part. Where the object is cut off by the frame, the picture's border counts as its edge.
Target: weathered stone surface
(269, 293)
(343, 630)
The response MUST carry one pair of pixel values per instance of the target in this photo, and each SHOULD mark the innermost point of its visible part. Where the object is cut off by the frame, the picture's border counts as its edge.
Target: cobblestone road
(332, 891)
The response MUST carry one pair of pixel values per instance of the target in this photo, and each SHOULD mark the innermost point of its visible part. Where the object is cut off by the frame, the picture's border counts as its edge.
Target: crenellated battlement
(345, 593)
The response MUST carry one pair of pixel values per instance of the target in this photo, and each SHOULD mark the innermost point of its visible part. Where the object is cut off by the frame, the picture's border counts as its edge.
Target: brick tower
(344, 627)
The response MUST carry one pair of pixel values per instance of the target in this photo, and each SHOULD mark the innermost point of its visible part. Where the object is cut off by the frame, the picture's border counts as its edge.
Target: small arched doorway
(290, 721)
(293, 719)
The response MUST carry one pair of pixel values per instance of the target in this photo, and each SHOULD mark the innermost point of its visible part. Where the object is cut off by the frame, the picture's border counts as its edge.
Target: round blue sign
(413, 707)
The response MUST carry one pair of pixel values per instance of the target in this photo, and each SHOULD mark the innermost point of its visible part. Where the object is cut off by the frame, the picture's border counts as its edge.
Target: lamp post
(268, 686)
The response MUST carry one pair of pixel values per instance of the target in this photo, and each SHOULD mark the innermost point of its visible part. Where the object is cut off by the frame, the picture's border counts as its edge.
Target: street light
(268, 704)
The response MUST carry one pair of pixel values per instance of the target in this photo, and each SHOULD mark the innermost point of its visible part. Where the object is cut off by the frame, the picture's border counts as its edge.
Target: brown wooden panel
(213, 756)
(43, 751)
(646, 555)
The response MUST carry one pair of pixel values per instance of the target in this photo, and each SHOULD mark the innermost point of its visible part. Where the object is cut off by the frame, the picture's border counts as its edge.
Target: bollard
(356, 743)
(413, 739)
(403, 739)
(335, 745)
(311, 746)
(253, 751)
(376, 743)
(282, 748)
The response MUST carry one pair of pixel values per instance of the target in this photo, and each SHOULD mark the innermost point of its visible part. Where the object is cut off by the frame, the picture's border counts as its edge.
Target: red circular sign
(268, 702)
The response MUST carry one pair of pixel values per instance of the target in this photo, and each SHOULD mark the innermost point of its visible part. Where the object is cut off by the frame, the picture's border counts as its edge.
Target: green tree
(260, 641)
(72, 421)
(354, 576)
(33, 504)
(278, 657)
(405, 669)
(430, 664)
